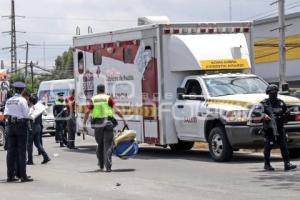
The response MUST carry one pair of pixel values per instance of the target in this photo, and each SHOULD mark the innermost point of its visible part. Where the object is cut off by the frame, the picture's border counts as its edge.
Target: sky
(51, 24)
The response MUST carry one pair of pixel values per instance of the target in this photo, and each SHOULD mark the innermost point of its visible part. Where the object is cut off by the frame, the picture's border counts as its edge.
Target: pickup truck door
(190, 113)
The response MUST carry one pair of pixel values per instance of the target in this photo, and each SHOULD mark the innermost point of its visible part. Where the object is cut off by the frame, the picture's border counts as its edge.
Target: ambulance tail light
(202, 30)
(237, 30)
(167, 31)
(211, 30)
(176, 31)
(246, 30)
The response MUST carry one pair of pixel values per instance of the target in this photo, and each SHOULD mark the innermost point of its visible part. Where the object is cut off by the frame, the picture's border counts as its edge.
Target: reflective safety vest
(101, 107)
(59, 102)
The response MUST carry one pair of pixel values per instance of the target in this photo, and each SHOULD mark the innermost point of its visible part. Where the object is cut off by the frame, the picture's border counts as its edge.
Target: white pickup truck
(178, 83)
(220, 108)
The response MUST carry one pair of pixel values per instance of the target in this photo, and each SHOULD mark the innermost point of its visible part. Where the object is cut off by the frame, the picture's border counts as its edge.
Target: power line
(49, 33)
(273, 11)
(79, 19)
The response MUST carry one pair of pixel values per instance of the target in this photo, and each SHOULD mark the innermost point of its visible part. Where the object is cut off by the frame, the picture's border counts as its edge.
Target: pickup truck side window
(193, 87)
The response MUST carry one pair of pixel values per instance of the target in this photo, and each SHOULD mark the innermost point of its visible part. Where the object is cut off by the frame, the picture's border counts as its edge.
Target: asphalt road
(155, 173)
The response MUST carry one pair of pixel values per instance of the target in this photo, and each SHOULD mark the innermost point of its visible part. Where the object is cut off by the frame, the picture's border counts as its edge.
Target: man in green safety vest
(102, 109)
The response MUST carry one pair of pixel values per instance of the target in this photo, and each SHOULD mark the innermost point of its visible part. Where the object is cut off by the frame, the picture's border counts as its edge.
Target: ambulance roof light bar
(205, 30)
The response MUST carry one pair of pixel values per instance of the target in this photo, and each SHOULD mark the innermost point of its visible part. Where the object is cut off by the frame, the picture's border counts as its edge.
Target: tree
(20, 76)
(63, 70)
(64, 65)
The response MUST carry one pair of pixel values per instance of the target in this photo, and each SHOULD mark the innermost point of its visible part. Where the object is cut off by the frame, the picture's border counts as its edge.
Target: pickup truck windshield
(222, 86)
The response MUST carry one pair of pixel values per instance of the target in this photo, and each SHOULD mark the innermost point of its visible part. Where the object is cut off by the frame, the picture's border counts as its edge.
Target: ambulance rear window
(127, 55)
(97, 58)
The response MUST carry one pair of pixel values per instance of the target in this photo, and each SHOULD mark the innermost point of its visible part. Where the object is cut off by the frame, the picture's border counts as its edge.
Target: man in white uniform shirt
(17, 114)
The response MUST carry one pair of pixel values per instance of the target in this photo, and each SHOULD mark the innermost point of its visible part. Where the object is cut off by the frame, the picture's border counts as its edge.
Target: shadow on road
(114, 170)
(151, 153)
(278, 179)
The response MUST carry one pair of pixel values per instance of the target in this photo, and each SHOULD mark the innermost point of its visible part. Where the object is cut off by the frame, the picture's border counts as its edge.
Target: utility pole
(282, 51)
(12, 32)
(283, 85)
(31, 68)
(26, 62)
(26, 46)
(44, 54)
(13, 38)
(2, 64)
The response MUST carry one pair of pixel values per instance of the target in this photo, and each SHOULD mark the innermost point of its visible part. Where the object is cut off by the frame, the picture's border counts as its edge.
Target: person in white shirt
(17, 114)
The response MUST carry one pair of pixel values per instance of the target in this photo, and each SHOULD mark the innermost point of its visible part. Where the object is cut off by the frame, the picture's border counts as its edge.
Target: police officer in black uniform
(59, 112)
(34, 135)
(17, 114)
(277, 108)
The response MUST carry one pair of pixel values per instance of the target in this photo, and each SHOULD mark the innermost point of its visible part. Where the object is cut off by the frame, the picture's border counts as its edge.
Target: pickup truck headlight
(236, 116)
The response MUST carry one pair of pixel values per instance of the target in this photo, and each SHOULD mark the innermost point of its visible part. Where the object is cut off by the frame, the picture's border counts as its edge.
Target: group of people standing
(22, 131)
(64, 114)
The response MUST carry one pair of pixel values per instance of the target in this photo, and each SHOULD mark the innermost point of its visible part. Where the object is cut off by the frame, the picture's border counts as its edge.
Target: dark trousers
(71, 123)
(35, 137)
(60, 132)
(270, 142)
(6, 136)
(104, 138)
(16, 150)
(41, 134)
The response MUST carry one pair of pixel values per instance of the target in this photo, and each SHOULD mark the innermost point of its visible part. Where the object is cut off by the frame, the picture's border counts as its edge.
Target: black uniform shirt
(279, 109)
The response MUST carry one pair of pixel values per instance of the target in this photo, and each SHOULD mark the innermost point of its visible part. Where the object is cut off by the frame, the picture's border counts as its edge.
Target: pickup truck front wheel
(182, 146)
(219, 147)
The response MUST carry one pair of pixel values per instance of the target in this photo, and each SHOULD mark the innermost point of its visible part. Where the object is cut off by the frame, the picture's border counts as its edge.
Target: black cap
(60, 94)
(271, 87)
(19, 84)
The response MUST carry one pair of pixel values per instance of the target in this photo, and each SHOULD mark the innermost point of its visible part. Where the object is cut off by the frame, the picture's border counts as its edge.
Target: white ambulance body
(150, 68)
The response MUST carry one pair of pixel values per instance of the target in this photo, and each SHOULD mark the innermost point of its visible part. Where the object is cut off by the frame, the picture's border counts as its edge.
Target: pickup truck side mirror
(180, 93)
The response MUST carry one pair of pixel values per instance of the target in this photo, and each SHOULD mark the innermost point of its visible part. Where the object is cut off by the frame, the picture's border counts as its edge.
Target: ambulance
(180, 83)
(47, 93)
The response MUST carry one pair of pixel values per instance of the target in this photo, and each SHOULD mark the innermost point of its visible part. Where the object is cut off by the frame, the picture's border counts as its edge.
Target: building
(266, 51)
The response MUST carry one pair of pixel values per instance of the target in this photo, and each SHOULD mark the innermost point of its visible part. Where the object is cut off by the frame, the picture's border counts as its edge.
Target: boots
(268, 167)
(288, 166)
(71, 145)
(46, 160)
(29, 162)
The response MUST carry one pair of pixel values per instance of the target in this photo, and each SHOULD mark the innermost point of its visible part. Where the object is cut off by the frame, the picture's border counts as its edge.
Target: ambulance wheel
(182, 146)
(294, 153)
(219, 147)
(2, 136)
